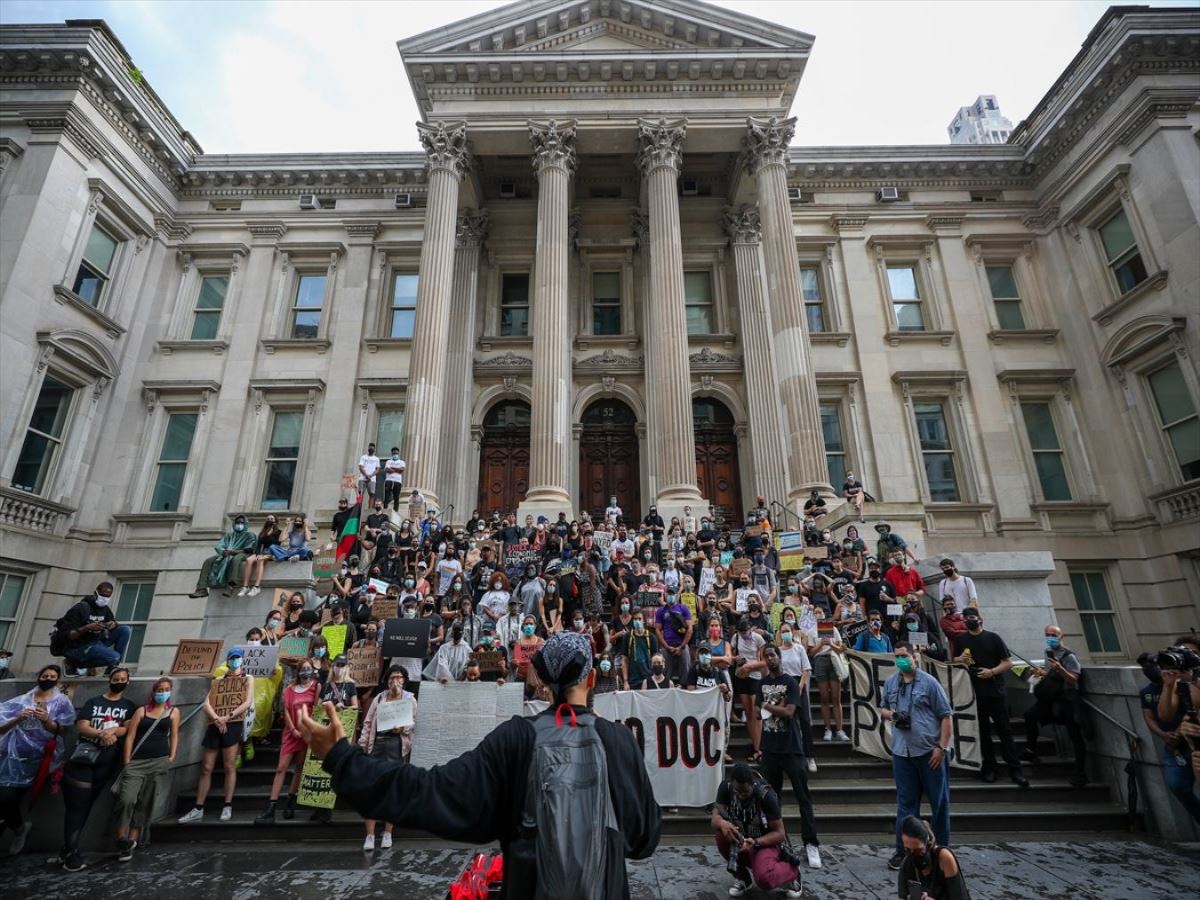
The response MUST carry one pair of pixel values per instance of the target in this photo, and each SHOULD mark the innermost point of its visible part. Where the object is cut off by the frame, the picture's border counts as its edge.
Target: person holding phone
(929, 871)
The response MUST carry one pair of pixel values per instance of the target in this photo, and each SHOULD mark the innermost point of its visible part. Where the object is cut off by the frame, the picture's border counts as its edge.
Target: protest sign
(738, 567)
(821, 551)
(791, 550)
(489, 662)
(316, 785)
(741, 599)
(406, 637)
(568, 567)
(851, 630)
(753, 530)
(645, 600)
(379, 584)
(280, 600)
(688, 599)
(602, 541)
(350, 482)
(259, 661)
(364, 665)
(195, 657)
(955, 679)
(516, 558)
(918, 638)
(475, 708)
(708, 577)
(226, 695)
(393, 714)
(385, 608)
(895, 609)
(324, 566)
(293, 648)
(335, 638)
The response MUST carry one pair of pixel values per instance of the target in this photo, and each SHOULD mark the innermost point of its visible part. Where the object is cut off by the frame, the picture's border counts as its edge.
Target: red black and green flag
(350, 530)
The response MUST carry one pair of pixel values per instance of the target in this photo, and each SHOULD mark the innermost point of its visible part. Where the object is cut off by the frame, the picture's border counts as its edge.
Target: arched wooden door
(717, 471)
(608, 460)
(504, 458)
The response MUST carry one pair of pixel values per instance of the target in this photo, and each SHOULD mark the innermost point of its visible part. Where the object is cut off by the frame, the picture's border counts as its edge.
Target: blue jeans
(107, 650)
(1181, 782)
(914, 778)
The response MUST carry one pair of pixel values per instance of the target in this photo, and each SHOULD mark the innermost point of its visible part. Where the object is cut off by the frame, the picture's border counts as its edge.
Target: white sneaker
(814, 856)
(243, 592)
(226, 813)
(18, 843)
(385, 842)
(192, 815)
(828, 735)
(794, 889)
(738, 888)
(841, 735)
(369, 843)
(812, 764)
(254, 591)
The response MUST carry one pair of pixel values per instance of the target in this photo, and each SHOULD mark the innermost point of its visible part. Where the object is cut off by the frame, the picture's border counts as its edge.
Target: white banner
(456, 716)
(873, 735)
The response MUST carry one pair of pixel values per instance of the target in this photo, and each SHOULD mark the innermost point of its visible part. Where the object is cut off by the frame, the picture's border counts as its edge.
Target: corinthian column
(766, 158)
(550, 434)
(447, 158)
(660, 153)
(758, 354)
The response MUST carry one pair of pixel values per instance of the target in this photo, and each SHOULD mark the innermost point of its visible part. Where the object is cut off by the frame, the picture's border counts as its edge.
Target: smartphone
(914, 890)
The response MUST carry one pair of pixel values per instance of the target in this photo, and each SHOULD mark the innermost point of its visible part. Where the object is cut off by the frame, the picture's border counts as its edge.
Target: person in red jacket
(903, 578)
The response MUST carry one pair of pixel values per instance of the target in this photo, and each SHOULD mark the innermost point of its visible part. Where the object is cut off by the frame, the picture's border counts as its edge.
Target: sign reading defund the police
(682, 737)
(872, 734)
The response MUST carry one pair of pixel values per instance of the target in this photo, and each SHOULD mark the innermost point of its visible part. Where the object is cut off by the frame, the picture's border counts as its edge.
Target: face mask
(904, 664)
(319, 653)
(235, 664)
(273, 624)
(670, 563)
(646, 557)
(409, 583)
(410, 612)
(339, 669)
(3, 663)
(487, 640)
(705, 659)
(428, 607)
(161, 697)
(396, 456)
(787, 637)
(790, 620)
(295, 606)
(456, 634)
(46, 684)
(102, 601)
(527, 630)
(117, 687)
(657, 668)
(578, 624)
(305, 675)
(638, 625)
(624, 607)
(791, 589)
(605, 666)
(239, 527)
(653, 578)
(458, 585)
(714, 633)
(973, 623)
(1052, 643)
(920, 857)
(875, 624)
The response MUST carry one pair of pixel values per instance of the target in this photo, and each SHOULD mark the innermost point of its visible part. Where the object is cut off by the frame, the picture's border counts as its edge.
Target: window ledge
(722, 337)
(1000, 335)
(26, 510)
(169, 347)
(68, 297)
(841, 338)
(317, 344)
(957, 506)
(624, 341)
(894, 338)
(144, 518)
(374, 344)
(490, 342)
(1155, 282)
(1067, 506)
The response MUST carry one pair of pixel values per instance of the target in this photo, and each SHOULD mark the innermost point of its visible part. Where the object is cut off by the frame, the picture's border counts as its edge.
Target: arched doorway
(717, 460)
(504, 457)
(608, 459)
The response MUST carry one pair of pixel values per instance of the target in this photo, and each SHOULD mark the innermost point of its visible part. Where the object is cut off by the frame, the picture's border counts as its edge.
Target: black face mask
(46, 684)
(117, 687)
(972, 624)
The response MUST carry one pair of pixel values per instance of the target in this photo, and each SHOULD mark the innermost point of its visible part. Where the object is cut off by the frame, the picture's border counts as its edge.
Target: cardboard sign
(226, 695)
(489, 661)
(516, 558)
(738, 567)
(335, 637)
(741, 599)
(851, 631)
(407, 638)
(790, 545)
(821, 551)
(324, 566)
(753, 531)
(293, 648)
(350, 482)
(280, 601)
(393, 714)
(259, 661)
(316, 785)
(708, 577)
(645, 600)
(364, 665)
(385, 608)
(895, 609)
(688, 599)
(196, 657)
(918, 638)
(602, 541)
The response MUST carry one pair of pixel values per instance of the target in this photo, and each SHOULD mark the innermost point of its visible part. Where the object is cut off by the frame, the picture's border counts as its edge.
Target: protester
(707, 675)
(298, 537)
(256, 562)
(794, 662)
(450, 661)
(953, 624)
(874, 639)
(747, 818)
(637, 651)
(853, 491)
(394, 744)
(266, 689)
(223, 570)
(956, 586)
(904, 579)
(748, 668)
(525, 648)
(659, 678)
(481, 795)
(822, 647)
(1057, 701)
(673, 628)
(1177, 773)
(932, 866)
(608, 677)
(889, 545)
(297, 698)
(5, 660)
(393, 479)
(90, 632)
(368, 467)
(150, 747)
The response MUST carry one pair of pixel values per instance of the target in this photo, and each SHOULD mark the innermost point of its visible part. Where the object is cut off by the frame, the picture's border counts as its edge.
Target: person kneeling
(754, 855)
(926, 864)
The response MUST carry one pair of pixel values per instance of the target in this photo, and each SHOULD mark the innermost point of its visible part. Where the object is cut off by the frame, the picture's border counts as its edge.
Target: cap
(882, 527)
(235, 653)
(371, 589)
(340, 659)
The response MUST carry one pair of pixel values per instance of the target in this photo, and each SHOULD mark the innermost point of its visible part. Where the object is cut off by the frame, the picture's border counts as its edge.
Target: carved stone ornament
(709, 357)
(553, 145)
(472, 228)
(743, 225)
(640, 223)
(767, 141)
(610, 360)
(445, 146)
(507, 360)
(660, 144)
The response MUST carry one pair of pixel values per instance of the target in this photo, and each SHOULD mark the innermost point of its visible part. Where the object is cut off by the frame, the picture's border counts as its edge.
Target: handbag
(839, 666)
(85, 753)
(116, 785)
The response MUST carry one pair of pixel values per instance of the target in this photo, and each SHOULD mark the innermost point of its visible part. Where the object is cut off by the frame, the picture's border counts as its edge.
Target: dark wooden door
(717, 472)
(608, 460)
(504, 458)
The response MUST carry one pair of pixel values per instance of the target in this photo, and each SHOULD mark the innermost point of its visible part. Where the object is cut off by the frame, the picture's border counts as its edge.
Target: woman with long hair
(150, 747)
(301, 695)
(394, 744)
(256, 562)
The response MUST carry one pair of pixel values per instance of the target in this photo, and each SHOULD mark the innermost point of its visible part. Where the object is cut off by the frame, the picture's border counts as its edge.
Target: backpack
(568, 808)
(61, 635)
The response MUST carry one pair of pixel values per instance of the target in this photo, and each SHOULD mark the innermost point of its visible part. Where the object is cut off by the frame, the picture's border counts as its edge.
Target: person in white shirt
(494, 603)
(613, 512)
(689, 521)
(368, 465)
(393, 472)
(957, 586)
(448, 567)
(622, 545)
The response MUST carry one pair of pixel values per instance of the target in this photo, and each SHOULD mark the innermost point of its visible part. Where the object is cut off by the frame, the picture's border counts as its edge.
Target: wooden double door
(608, 460)
(717, 472)
(504, 458)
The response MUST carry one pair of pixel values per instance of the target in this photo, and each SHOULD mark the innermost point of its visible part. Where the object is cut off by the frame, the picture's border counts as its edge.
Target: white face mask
(103, 601)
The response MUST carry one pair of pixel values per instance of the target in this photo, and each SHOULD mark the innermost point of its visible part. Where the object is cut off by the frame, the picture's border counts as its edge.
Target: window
(1095, 612)
(172, 461)
(814, 304)
(937, 452)
(906, 298)
(306, 309)
(1121, 252)
(404, 304)
(1177, 417)
(133, 609)
(95, 269)
(835, 446)
(210, 303)
(12, 589)
(1047, 451)
(606, 303)
(514, 304)
(391, 426)
(44, 439)
(697, 297)
(1005, 297)
(282, 457)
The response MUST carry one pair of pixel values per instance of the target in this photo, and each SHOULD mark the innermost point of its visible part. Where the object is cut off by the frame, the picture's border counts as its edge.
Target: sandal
(755, 757)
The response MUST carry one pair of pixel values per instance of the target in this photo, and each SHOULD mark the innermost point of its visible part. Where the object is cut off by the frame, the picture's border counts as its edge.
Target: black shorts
(743, 687)
(214, 740)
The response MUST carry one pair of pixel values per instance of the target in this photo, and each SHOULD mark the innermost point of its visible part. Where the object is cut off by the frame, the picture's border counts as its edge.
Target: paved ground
(1083, 870)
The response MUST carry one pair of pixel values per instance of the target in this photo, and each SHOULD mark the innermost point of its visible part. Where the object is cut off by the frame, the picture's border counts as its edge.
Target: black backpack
(60, 636)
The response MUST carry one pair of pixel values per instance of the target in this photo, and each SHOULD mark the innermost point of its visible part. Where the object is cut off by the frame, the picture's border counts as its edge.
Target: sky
(280, 76)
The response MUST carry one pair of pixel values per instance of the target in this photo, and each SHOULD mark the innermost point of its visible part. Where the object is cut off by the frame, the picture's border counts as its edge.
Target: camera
(1177, 658)
(902, 720)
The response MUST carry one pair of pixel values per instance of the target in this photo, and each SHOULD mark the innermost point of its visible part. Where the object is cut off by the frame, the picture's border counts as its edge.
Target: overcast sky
(248, 76)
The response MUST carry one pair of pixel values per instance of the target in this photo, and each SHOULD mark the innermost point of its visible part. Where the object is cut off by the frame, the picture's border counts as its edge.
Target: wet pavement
(1111, 869)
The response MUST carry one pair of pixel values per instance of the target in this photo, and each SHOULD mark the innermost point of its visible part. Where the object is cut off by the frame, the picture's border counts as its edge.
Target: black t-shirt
(714, 677)
(751, 817)
(853, 486)
(780, 734)
(878, 595)
(988, 650)
(102, 713)
(377, 520)
(339, 692)
(815, 506)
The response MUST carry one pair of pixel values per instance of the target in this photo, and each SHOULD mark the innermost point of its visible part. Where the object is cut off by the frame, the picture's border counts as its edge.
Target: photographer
(1057, 702)
(1180, 700)
(935, 869)
(1176, 767)
(748, 821)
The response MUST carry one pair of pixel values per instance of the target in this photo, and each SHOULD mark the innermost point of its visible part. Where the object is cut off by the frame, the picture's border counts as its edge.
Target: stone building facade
(608, 273)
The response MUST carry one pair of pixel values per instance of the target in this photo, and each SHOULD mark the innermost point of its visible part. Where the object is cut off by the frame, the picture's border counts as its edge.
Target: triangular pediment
(609, 36)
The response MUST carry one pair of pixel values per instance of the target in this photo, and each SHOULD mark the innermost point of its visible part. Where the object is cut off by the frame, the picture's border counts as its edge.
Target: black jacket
(479, 796)
(82, 613)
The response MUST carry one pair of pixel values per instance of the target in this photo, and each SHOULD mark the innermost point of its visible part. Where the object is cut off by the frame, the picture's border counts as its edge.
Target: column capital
(471, 227)
(766, 142)
(445, 146)
(553, 145)
(660, 143)
(743, 225)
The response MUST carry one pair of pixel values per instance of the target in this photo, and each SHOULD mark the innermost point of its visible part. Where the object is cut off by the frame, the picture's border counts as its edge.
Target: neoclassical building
(608, 273)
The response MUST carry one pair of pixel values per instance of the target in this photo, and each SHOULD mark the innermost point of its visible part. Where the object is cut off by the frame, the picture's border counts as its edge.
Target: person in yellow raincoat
(261, 714)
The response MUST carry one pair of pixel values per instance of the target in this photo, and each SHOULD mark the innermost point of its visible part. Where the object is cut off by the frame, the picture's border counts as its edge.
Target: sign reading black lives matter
(406, 638)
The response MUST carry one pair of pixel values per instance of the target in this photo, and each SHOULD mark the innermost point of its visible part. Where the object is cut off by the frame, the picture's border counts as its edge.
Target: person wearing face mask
(89, 635)
(395, 744)
(658, 679)
(340, 689)
(451, 603)
(705, 674)
(636, 652)
(5, 663)
(299, 696)
(224, 569)
(903, 578)
(1056, 700)
(150, 746)
(449, 568)
(874, 639)
(874, 594)
(673, 626)
(550, 608)
(748, 666)
(450, 661)
(298, 537)
(759, 621)
(494, 603)
(291, 618)
(265, 691)
(529, 590)
(318, 650)
(523, 652)
(793, 659)
(488, 643)
(1178, 775)
(622, 548)
(613, 512)
(508, 626)
(934, 867)
(956, 586)
(256, 562)
(953, 625)
(762, 578)
(608, 676)
(393, 479)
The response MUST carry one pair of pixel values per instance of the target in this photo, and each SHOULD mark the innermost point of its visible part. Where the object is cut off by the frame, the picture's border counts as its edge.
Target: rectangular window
(172, 461)
(1177, 417)
(404, 304)
(282, 458)
(835, 446)
(1005, 298)
(43, 440)
(209, 304)
(306, 308)
(1047, 452)
(937, 452)
(1095, 612)
(514, 304)
(12, 589)
(814, 303)
(906, 298)
(697, 297)
(391, 426)
(95, 269)
(133, 609)
(606, 303)
(1121, 252)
